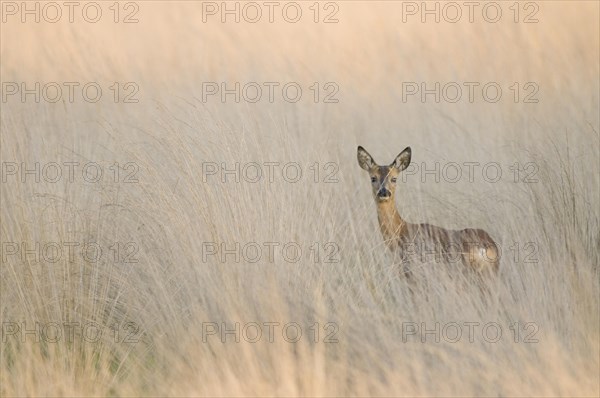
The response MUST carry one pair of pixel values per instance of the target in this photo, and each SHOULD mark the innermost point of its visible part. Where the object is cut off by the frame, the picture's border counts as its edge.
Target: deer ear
(365, 160)
(403, 159)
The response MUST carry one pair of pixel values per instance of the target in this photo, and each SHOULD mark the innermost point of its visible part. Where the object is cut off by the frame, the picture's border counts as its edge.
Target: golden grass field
(149, 315)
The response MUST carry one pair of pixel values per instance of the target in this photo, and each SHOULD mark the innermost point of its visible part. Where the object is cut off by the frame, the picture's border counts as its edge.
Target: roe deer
(473, 247)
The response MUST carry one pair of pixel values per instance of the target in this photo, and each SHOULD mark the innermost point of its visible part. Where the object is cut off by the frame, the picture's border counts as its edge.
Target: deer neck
(391, 224)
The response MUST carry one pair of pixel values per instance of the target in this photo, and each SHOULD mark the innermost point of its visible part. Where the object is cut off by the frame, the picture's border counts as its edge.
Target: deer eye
(394, 180)
(373, 179)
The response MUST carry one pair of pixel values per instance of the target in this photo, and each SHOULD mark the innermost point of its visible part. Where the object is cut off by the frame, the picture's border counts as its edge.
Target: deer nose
(384, 193)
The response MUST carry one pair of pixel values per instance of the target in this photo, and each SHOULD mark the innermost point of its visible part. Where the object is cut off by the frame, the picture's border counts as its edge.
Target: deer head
(383, 178)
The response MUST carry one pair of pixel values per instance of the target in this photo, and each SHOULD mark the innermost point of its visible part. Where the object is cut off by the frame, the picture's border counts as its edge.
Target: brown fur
(473, 247)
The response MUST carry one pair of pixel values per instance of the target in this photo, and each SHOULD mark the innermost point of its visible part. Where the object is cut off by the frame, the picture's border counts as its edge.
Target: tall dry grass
(166, 299)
